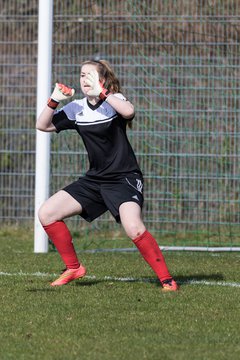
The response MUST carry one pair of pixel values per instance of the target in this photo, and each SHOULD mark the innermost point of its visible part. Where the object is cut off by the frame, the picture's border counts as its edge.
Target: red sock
(61, 238)
(152, 254)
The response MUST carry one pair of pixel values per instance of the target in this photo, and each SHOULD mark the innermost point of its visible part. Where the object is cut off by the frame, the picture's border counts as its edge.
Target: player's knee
(135, 230)
(43, 215)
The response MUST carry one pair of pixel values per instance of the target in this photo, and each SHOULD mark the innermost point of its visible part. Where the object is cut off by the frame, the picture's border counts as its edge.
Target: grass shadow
(199, 277)
(182, 280)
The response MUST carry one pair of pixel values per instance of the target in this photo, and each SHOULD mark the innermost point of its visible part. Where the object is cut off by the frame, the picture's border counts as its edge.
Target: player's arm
(44, 121)
(123, 107)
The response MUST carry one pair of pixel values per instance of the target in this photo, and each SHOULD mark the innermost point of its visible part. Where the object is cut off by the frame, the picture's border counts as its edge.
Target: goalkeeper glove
(97, 88)
(60, 92)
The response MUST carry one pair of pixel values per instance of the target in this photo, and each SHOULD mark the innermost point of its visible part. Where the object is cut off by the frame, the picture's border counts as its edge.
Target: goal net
(179, 64)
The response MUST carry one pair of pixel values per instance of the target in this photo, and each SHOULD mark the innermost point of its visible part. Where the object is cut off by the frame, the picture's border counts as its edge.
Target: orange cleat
(70, 275)
(169, 285)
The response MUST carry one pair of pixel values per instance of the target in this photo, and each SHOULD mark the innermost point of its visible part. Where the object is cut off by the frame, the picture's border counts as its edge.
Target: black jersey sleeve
(62, 122)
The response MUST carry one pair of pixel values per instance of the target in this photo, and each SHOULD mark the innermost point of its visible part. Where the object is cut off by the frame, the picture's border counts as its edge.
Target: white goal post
(44, 71)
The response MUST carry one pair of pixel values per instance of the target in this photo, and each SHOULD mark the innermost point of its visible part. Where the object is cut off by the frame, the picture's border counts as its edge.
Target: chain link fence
(178, 62)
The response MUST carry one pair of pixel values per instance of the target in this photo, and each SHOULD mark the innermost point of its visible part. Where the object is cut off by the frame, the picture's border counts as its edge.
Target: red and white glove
(60, 92)
(97, 88)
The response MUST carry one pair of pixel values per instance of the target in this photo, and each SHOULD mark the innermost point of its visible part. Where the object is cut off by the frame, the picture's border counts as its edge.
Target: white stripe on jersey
(83, 123)
(80, 112)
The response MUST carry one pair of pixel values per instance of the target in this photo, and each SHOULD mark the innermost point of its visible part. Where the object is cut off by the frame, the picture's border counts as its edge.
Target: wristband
(53, 104)
(104, 94)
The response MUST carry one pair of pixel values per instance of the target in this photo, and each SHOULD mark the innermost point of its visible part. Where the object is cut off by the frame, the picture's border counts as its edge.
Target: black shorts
(97, 197)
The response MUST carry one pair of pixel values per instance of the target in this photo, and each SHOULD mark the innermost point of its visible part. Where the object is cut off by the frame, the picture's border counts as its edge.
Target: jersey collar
(94, 107)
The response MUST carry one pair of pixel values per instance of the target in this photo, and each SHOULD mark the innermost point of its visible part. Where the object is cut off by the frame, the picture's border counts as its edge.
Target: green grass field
(118, 310)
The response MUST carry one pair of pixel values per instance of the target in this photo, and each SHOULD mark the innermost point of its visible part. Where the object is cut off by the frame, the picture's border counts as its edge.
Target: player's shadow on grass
(181, 280)
(199, 278)
(74, 283)
(87, 282)
(153, 280)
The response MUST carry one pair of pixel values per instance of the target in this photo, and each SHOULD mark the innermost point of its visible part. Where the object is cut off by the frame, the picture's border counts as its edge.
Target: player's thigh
(131, 219)
(58, 207)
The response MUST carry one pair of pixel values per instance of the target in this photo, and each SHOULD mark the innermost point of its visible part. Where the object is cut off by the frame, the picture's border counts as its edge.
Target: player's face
(84, 71)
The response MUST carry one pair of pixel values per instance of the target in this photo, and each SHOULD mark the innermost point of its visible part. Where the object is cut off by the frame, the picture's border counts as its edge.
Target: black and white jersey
(103, 132)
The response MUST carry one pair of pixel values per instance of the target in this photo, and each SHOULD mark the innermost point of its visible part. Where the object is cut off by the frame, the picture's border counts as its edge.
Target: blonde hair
(105, 72)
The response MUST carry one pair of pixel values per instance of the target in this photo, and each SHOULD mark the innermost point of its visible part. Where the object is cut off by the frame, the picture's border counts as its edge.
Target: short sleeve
(65, 118)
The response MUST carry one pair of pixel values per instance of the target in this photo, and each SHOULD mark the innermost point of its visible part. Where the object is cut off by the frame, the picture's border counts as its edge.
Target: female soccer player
(114, 180)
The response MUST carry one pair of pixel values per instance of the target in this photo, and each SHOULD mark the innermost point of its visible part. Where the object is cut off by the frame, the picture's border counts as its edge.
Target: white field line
(129, 279)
